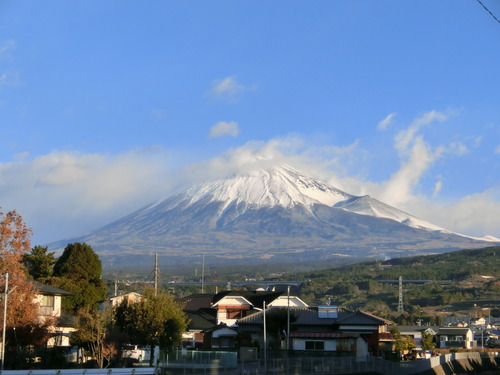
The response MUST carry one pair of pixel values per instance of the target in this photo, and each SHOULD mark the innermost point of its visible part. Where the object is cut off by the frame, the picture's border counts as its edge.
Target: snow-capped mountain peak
(279, 186)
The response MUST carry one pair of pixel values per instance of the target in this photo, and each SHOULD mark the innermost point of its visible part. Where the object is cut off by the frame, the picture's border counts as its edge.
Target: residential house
(324, 328)
(234, 305)
(455, 337)
(49, 299)
(220, 337)
(201, 318)
(416, 332)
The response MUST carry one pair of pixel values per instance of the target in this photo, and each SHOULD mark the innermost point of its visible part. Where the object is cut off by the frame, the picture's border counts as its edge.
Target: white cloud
(437, 188)
(405, 137)
(61, 193)
(382, 125)
(416, 157)
(223, 128)
(475, 214)
(226, 89)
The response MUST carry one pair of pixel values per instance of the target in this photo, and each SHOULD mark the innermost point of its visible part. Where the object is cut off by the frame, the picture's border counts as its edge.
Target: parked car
(136, 353)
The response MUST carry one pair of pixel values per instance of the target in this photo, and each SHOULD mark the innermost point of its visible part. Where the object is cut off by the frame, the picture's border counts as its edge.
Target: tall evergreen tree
(79, 270)
(39, 262)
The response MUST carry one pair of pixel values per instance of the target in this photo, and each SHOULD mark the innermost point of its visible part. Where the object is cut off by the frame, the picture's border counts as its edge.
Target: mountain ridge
(272, 214)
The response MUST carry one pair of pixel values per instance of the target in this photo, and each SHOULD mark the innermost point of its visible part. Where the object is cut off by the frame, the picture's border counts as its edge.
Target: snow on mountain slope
(281, 186)
(369, 206)
(284, 186)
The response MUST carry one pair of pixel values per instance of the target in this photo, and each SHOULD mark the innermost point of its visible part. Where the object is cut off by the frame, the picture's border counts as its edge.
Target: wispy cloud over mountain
(224, 128)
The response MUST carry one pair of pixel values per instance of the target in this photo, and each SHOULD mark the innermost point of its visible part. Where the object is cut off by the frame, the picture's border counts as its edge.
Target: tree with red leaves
(22, 309)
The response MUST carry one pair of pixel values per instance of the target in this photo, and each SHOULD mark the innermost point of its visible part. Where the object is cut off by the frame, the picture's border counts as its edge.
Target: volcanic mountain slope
(274, 214)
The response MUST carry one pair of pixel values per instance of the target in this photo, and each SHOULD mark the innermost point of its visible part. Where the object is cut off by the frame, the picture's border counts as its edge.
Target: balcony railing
(454, 344)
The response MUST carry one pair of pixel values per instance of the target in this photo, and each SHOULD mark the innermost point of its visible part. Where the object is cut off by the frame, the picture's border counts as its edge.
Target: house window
(459, 338)
(444, 338)
(47, 306)
(315, 345)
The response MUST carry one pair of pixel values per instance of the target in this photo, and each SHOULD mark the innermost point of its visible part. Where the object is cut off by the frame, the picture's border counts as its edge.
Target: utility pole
(288, 320)
(203, 275)
(4, 317)
(157, 274)
(6, 293)
(265, 338)
(400, 301)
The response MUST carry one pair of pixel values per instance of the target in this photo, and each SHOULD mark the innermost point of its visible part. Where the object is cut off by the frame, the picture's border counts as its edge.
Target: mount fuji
(268, 215)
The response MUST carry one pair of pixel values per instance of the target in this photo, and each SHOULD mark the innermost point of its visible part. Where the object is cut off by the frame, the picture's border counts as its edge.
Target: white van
(136, 353)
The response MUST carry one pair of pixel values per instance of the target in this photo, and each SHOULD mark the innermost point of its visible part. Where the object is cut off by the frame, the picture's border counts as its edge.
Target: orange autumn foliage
(22, 310)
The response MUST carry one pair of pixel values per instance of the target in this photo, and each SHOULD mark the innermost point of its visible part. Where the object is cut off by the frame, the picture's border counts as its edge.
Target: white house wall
(233, 301)
(221, 318)
(282, 301)
(57, 305)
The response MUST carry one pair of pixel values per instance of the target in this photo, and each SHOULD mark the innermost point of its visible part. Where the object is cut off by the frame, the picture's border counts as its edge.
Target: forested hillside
(464, 282)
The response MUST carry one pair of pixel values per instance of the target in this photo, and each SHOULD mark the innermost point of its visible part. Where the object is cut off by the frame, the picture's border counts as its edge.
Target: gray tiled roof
(309, 316)
(403, 329)
(452, 331)
(49, 290)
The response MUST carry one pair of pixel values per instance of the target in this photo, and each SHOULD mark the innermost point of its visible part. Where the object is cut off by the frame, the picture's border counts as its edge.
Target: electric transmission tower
(400, 300)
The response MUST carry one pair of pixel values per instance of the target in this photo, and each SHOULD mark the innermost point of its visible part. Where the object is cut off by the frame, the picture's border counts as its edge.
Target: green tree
(157, 320)
(94, 333)
(78, 270)
(428, 341)
(402, 342)
(39, 262)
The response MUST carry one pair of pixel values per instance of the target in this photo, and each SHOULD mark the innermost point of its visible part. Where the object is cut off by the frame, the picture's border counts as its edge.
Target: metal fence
(207, 363)
(351, 365)
(90, 371)
(198, 361)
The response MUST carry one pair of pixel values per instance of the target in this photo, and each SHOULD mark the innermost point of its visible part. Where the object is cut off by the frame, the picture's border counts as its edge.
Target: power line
(489, 11)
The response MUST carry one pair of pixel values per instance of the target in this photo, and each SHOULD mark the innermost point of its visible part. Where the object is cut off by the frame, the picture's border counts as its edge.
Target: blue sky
(106, 106)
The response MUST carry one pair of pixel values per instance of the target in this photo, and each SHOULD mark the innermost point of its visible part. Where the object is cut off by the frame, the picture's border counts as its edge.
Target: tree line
(472, 279)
